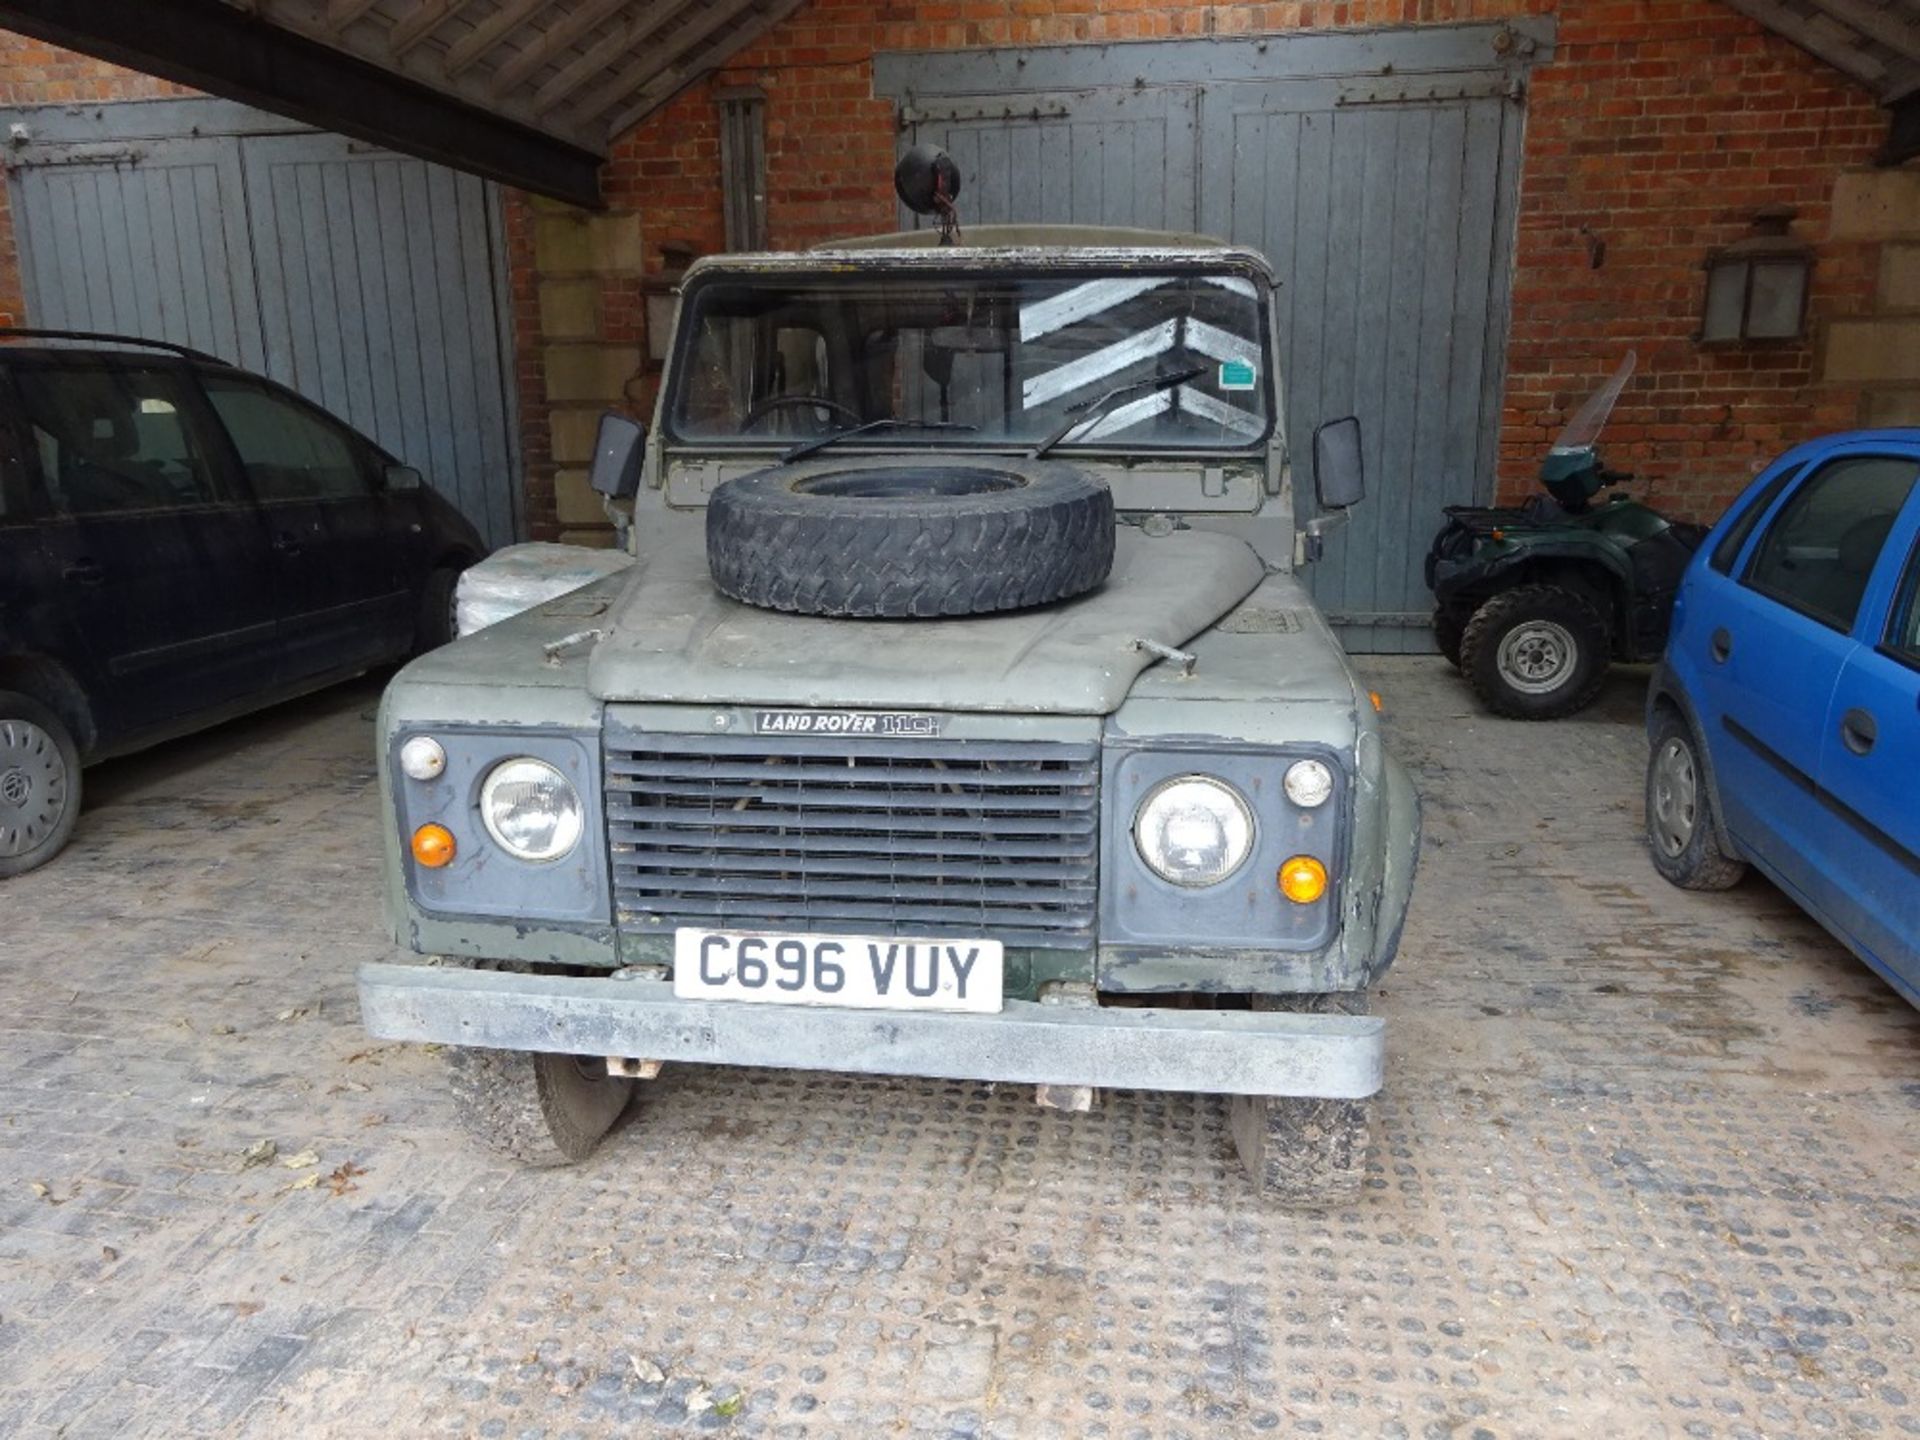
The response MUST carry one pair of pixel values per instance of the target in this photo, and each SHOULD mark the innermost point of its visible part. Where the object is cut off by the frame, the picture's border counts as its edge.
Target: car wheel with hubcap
(39, 784)
(1682, 834)
(542, 1110)
(1303, 1153)
(1536, 653)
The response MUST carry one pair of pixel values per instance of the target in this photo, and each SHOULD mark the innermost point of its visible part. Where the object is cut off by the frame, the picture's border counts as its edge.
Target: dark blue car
(1785, 719)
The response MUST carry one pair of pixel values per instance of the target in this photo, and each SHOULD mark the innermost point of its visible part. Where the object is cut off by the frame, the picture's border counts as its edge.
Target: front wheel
(1682, 835)
(542, 1110)
(1536, 653)
(1304, 1153)
(39, 784)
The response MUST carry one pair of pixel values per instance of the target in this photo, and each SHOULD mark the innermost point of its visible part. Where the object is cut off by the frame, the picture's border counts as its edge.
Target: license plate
(859, 971)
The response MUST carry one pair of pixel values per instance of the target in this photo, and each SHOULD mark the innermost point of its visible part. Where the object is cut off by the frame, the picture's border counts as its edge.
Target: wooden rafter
(475, 44)
(427, 16)
(342, 13)
(1899, 31)
(565, 32)
(752, 21)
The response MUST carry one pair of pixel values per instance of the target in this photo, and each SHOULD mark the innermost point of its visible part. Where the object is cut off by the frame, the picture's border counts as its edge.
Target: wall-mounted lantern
(1757, 287)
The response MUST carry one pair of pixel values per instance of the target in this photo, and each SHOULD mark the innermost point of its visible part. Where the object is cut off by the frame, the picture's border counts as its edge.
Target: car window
(1821, 549)
(290, 452)
(1727, 549)
(115, 437)
(1903, 633)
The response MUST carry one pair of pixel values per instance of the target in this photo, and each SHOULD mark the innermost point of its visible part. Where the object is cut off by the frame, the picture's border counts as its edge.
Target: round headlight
(1309, 784)
(422, 758)
(531, 810)
(1193, 830)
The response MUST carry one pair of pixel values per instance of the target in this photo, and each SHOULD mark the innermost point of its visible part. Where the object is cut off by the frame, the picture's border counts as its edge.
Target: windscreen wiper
(1078, 415)
(808, 447)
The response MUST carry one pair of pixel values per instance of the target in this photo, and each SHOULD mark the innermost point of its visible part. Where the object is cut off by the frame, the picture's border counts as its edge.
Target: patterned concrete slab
(1645, 1165)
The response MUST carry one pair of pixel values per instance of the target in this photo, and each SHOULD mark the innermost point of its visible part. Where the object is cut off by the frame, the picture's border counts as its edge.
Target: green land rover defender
(959, 715)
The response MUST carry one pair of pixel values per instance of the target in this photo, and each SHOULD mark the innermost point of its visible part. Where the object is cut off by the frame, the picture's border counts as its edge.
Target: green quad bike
(1533, 603)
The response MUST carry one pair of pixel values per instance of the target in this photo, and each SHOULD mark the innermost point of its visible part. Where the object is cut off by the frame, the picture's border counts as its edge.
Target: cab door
(1870, 771)
(156, 559)
(340, 542)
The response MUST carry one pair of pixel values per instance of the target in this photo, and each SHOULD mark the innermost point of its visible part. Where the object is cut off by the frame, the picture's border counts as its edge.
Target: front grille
(995, 839)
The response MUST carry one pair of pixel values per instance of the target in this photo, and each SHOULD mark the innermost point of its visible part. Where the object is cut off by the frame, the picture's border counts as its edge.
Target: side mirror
(617, 452)
(1339, 469)
(402, 478)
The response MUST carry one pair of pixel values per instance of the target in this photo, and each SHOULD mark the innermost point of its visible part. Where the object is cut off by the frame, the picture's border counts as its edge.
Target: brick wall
(1659, 130)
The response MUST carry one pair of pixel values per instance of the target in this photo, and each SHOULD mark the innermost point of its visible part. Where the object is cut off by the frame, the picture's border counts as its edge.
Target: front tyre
(1536, 653)
(1303, 1154)
(39, 784)
(542, 1110)
(1682, 834)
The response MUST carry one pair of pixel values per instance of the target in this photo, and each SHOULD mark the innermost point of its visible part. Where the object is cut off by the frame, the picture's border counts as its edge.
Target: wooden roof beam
(427, 16)
(566, 31)
(754, 21)
(342, 13)
(1893, 30)
(1821, 36)
(475, 44)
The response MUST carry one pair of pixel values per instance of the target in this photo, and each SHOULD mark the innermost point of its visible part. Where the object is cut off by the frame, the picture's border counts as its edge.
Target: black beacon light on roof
(928, 182)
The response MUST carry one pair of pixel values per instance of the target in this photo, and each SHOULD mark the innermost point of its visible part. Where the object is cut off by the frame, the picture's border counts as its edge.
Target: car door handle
(1721, 645)
(84, 571)
(1858, 731)
(285, 544)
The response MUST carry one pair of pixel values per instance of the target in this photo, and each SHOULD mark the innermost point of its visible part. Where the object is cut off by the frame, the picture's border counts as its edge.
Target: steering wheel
(755, 414)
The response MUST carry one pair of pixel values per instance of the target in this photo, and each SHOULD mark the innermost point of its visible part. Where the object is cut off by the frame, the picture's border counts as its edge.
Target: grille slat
(987, 839)
(827, 843)
(766, 818)
(773, 794)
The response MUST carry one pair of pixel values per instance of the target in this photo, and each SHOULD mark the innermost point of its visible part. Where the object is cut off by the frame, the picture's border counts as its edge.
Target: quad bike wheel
(1682, 835)
(1304, 1153)
(39, 784)
(1536, 653)
(542, 1110)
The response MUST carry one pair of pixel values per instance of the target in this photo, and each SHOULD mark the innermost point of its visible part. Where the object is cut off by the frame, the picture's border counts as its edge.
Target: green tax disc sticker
(1236, 375)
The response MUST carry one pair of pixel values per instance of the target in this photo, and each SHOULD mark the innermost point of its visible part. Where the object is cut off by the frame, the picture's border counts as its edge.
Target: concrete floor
(1645, 1165)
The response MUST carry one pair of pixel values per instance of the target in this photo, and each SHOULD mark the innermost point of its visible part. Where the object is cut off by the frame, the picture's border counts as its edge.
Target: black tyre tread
(25, 707)
(1703, 865)
(1480, 652)
(532, 1107)
(1304, 1154)
(435, 626)
(925, 559)
(1448, 632)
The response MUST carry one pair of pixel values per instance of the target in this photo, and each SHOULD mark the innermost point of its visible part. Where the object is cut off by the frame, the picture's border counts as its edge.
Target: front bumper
(1228, 1052)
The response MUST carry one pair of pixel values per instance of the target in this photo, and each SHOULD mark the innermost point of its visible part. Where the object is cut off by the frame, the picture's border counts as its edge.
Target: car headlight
(1193, 830)
(1309, 784)
(531, 810)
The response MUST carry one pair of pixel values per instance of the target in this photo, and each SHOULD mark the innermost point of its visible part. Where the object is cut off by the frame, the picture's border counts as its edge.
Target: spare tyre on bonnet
(961, 715)
(894, 539)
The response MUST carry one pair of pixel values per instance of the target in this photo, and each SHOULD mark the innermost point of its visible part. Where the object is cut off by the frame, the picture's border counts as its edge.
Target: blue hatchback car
(1785, 718)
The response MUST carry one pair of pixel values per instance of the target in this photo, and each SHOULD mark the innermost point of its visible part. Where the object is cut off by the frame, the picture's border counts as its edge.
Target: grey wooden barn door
(144, 238)
(370, 282)
(377, 301)
(1089, 157)
(1377, 170)
(1383, 218)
